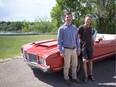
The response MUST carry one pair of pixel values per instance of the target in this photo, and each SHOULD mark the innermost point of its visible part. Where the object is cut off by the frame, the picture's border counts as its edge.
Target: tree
(41, 26)
(77, 7)
(103, 12)
(25, 26)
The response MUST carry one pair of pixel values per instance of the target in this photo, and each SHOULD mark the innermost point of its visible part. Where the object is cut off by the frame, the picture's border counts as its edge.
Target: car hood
(42, 49)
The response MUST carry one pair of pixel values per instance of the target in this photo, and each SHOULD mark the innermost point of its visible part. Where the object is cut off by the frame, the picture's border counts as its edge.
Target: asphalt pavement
(16, 73)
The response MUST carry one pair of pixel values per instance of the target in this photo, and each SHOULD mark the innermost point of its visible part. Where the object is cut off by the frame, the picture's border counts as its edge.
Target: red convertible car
(45, 55)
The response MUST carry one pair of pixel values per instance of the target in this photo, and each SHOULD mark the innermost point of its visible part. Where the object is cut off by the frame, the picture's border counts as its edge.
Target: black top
(86, 36)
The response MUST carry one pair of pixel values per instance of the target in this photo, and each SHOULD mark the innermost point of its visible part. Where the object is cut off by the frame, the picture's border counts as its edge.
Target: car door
(104, 47)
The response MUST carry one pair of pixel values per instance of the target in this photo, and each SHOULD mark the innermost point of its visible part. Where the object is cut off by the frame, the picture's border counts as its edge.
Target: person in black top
(85, 33)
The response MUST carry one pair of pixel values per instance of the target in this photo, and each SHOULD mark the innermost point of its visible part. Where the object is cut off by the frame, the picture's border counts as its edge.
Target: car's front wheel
(79, 66)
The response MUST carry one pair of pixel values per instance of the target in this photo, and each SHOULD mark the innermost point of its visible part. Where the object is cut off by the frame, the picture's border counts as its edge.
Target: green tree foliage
(25, 26)
(39, 26)
(10, 26)
(105, 15)
(66, 5)
(103, 12)
(77, 7)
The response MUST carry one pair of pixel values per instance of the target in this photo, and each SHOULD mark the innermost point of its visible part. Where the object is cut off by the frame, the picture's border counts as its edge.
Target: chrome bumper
(36, 65)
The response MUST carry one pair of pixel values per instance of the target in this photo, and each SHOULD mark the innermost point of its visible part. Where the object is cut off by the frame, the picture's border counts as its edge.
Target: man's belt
(69, 47)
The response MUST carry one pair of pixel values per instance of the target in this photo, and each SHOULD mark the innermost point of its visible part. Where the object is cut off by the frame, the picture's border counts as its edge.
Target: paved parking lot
(15, 73)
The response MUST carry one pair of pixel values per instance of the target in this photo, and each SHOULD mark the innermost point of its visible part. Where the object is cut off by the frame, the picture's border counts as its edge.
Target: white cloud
(18, 10)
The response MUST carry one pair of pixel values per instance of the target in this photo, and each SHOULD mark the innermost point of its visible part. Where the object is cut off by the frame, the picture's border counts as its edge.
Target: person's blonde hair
(89, 15)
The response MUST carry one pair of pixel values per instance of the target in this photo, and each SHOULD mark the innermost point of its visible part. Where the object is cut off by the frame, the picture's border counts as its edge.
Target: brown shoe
(76, 80)
(67, 82)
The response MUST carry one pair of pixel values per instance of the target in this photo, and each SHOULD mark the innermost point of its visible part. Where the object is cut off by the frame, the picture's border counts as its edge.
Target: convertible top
(105, 36)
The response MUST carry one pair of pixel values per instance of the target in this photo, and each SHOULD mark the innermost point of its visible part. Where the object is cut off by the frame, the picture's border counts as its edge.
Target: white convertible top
(105, 36)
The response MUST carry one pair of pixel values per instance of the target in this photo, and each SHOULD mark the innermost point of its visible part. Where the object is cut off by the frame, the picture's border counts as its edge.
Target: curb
(8, 59)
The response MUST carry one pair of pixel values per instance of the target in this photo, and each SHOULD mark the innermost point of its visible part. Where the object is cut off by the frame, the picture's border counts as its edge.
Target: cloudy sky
(29, 10)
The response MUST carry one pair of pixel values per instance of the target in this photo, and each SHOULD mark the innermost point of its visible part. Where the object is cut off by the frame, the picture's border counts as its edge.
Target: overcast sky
(29, 10)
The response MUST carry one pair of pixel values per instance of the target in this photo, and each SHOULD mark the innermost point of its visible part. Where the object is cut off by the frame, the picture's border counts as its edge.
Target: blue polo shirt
(67, 37)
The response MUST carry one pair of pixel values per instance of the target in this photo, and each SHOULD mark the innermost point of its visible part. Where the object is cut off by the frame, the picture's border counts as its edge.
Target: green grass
(10, 46)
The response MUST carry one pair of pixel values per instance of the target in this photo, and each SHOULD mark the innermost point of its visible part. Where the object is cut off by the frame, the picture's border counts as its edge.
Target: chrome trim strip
(96, 58)
(58, 68)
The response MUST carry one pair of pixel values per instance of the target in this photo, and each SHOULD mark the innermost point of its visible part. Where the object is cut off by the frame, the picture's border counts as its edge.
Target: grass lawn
(10, 46)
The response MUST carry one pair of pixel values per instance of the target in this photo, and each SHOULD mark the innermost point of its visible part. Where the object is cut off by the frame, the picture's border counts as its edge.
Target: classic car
(45, 55)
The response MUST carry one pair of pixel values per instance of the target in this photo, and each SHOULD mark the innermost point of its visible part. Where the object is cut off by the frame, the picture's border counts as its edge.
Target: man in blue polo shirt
(69, 47)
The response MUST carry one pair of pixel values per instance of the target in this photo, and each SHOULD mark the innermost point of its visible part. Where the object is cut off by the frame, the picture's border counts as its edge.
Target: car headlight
(42, 61)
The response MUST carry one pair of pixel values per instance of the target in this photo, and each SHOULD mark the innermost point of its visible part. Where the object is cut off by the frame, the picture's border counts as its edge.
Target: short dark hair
(67, 13)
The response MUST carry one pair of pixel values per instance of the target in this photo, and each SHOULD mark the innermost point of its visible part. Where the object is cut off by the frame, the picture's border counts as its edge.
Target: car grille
(33, 58)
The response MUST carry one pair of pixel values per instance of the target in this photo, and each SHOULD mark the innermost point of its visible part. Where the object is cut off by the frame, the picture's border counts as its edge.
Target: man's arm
(59, 38)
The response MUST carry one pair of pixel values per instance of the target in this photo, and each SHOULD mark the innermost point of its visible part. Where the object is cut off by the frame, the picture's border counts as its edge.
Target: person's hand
(62, 54)
(78, 53)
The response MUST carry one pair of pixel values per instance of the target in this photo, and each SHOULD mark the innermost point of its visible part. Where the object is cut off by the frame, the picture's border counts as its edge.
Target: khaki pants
(70, 58)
